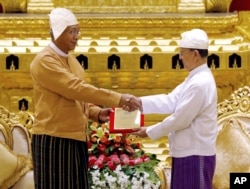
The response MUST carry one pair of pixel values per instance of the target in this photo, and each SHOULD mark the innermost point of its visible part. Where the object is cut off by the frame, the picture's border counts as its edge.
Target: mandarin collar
(198, 69)
(58, 51)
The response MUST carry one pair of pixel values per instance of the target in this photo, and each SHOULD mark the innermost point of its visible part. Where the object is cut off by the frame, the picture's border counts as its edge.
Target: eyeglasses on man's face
(182, 52)
(74, 32)
(185, 51)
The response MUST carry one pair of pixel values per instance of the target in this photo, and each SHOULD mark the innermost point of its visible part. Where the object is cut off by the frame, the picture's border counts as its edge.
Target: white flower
(134, 169)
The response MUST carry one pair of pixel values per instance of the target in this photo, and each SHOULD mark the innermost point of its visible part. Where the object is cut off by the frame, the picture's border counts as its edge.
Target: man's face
(188, 58)
(68, 39)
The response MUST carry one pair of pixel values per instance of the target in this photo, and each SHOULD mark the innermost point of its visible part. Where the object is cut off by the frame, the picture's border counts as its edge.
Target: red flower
(111, 150)
(101, 147)
(94, 138)
(117, 145)
(104, 140)
(117, 139)
(131, 162)
(111, 165)
(106, 159)
(92, 160)
(106, 134)
(89, 144)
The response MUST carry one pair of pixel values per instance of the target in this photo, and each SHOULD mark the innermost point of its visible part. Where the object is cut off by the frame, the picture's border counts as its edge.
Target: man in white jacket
(192, 124)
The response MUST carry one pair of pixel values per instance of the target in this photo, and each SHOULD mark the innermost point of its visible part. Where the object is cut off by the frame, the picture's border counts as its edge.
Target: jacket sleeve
(50, 72)
(94, 112)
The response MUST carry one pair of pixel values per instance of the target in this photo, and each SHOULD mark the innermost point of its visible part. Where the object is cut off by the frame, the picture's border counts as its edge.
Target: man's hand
(103, 115)
(141, 132)
(130, 103)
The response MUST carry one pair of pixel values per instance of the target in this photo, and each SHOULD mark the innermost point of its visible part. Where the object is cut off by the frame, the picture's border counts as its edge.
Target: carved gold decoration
(9, 120)
(244, 27)
(120, 25)
(239, 102)
(14, 6)
(232, 150)
(233, 136)
(129, 6)
(105, 34)
(118, 6)
(26, 119)
(4, 112)
(161, 174)
(41, 6)
(218, 5)
(5, 131)
(22, 117)
(191, 6)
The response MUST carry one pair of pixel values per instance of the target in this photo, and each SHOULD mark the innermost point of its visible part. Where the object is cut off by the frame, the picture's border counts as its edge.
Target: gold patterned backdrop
(115, 6)
(142, 29)
(142, 36)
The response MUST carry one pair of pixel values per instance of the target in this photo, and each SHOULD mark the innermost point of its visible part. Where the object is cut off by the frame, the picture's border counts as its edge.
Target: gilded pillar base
(38, 6)
(186, 7)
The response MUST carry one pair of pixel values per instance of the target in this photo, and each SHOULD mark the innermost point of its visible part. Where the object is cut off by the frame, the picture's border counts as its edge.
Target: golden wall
(129, 31)
(128, 36)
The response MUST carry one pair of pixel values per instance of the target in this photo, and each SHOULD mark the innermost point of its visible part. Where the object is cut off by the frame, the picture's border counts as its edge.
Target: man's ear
(196, 52)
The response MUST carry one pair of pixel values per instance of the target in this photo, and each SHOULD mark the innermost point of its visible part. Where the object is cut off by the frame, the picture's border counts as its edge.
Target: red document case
(122, 121)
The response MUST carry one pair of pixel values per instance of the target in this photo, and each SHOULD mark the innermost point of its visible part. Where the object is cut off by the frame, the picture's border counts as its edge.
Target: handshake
(130, 103)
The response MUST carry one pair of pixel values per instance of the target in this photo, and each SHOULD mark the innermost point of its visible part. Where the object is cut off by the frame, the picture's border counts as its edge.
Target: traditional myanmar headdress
(60, 19)
(194, 39)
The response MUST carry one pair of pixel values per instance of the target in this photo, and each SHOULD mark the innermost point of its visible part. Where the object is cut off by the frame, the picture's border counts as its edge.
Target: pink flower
(124, 159)
(138, 160)
(145, 159)
(115, 159)
(100, 161)
(133, 162)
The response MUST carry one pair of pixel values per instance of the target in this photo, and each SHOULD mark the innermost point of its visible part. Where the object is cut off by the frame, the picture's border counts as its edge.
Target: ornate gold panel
(129, 36)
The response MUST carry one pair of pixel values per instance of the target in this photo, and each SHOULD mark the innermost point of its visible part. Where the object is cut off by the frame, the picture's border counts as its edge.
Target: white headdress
(60, 19)
(194, 39)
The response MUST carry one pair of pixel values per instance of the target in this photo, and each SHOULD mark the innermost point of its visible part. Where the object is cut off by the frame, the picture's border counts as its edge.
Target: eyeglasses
(75, 33)
(181, 53)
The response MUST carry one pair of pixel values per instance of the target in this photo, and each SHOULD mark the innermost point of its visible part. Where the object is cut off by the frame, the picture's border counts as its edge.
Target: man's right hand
(130, 103)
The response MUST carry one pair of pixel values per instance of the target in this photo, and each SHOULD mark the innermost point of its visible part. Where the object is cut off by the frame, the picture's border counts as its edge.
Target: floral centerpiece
(117, 161)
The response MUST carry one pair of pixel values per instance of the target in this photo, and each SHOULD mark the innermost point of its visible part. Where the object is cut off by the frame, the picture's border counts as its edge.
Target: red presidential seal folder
(122, 121)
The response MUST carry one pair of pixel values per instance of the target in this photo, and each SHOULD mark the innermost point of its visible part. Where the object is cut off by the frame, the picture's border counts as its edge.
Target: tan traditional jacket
(63, 100)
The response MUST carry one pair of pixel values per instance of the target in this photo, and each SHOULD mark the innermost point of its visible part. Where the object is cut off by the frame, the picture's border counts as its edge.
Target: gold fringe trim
(24, 164)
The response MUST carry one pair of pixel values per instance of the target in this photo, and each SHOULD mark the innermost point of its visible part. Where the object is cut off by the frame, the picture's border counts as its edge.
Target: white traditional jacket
(192, 123)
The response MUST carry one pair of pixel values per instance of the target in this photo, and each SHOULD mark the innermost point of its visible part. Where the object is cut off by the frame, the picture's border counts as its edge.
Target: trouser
(193, 172)
(59, 163)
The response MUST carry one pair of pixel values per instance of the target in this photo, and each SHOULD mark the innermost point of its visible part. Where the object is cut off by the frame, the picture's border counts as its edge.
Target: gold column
(40, 6)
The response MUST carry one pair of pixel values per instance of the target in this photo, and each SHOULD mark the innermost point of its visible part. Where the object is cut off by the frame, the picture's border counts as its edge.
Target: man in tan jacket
(64, 102)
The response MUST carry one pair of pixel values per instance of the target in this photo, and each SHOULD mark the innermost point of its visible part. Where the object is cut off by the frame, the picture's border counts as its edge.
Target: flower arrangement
(118, 161)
